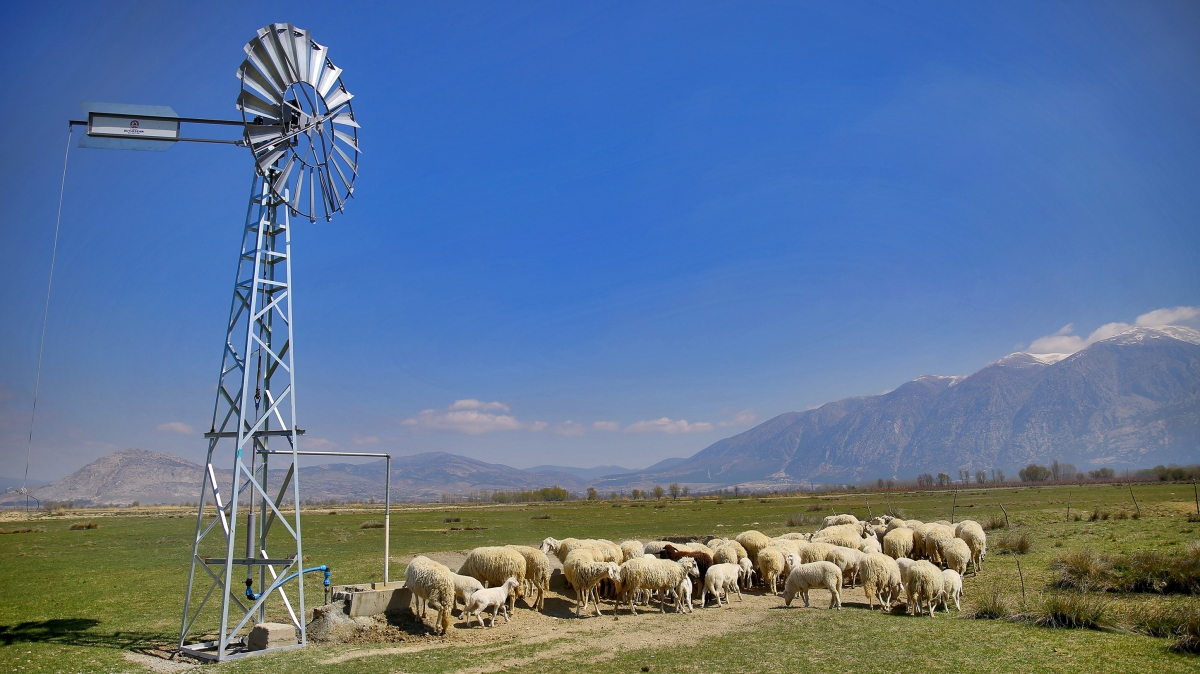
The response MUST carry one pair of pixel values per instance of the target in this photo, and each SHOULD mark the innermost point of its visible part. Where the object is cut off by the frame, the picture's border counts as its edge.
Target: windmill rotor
(299, 121)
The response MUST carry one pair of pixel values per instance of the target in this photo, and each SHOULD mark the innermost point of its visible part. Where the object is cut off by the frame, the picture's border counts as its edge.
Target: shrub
(802, 520)
(992, 605)
(80, 526)
(994, 521)
(660, 505)
(332, 512)
(452, 519)
(1016, 542)
(1071, 610)
(1179, 622)
(814, 508)
(541, 517)
(371, 524)
(1083, 570)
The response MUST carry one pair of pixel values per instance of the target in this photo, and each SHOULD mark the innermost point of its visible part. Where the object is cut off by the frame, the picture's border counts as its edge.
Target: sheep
(493, 565)
(815, 552)
(896, 523)
(789, 544)
(703, 559)
(918, 549)
(845, 535)
(697, 546)
(720, 578)
(754, 541)
(835, 520)
(972, 534)
(805, 577)
(495, 598)
(432, 583)
(584, 575)
(464, 586)
(898, 543)
(903, 563)
(632, 550)
(792, 536)
(951, 589)
(656, 574)
(965, 523)
(537, 573)
(937, 538)
(869, 545)
(957, 556)
(725, 555)
(747, 572)
(846, 560)
(654, 547)
(880, 576)
(770, 565)
(925, 585)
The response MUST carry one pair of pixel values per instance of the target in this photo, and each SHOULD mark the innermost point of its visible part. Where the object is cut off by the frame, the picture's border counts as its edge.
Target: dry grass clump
(1083, 570)
(452, 519)
(22, 531)
(1016, 542)
(991, 605)
(1182, 623)
(371, 524)
(1071, 610)
(1148, 571)
(803, 520)
(814, 508)
(994, 521)
(540, 517)
(80, 526)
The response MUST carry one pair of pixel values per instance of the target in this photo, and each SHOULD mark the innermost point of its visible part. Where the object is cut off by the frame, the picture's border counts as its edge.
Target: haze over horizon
(609, 234)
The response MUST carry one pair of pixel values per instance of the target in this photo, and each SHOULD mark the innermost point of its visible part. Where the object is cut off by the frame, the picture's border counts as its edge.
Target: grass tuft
(80, 526)
(371, 524)
(993, 522)
(22, 531)
(1083, 570)
(452, 519)
(541, 517)
(803, 520)
(1179, 622)
(1016, 542)
(814, 508)
(992, 605)
(1071, 610)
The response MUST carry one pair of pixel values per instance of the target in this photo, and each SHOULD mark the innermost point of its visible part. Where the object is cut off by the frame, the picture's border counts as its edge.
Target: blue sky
(667, 219)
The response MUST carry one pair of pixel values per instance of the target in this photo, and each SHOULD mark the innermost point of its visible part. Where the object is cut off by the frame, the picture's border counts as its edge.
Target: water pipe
(254, 597)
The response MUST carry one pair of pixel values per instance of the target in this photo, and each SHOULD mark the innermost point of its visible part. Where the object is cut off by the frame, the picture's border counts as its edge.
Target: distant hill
(157, 477)
(1129, 401)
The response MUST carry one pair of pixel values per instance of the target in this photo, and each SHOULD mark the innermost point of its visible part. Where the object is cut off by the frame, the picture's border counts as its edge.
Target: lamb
(925, 585)
(464, 586)
(656, 574)
(835, 520)
(951, 589)
(585, 575)
(537, 573)
(805, 577)
(747, 572)
(880, 576)
(432, 583)
(846, 560)
(495, 598)
(719, 579)
(632, 550)
(898, 543)
(754, 541)
(703, 559)
(683, 596)
(493, 565)
(770, 565)
(869, 545)
(957, 556)
(971, 533)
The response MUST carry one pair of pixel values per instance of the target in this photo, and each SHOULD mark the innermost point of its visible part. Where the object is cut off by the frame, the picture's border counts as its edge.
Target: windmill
(298, 121)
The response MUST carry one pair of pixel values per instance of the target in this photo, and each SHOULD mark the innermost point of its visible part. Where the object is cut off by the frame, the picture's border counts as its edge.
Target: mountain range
(1129, 401)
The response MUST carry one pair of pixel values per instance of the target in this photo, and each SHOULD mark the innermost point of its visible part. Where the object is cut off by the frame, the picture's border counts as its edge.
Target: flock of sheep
(886, 555)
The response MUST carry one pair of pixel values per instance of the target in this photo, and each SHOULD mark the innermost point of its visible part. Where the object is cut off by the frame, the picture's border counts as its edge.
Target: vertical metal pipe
(291, 356)
(387, 516)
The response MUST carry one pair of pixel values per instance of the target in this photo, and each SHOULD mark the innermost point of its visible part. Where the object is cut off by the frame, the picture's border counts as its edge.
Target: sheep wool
(719, 579)
(951, 589)
(880, 576)
(972, 534)
(957, 555)
(806, 577)
(537, 573)
(663, 575)
(925, 584)
(432, 583)
(846, 560)
(632, 550)
(492, 565)
(815, 552)
(898, 543)
(753, 541)
(835, 520)
(770, 565)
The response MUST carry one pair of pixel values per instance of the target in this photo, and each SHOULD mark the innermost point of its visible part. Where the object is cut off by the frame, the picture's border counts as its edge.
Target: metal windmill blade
(299, 120)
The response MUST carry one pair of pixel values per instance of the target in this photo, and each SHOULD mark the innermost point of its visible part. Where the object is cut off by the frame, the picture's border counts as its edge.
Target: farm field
(100, 599)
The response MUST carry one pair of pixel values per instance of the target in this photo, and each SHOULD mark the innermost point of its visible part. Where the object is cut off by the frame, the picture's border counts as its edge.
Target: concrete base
(374, 602)
(271, 635)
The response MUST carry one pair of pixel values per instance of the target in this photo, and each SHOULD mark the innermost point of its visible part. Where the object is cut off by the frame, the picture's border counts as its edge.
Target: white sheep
(835, 520)
(951, 589)
(464, 587)
(718, 579)
(537, 574)
(724, 554)
(663, 575)
(898, 543)
(492, 565)
(937, 538)
(495, 598)
(654, 547)
(753, 542)
(805, 577)
(815, 552)
(845, 535)
(957, 555)
(880, 576)
(431, 582)
(747, 572)
(683, 595)
(846, 560)
(632, 550)
(976, 539)
(925, 584)
(586, 575)
(869, 545)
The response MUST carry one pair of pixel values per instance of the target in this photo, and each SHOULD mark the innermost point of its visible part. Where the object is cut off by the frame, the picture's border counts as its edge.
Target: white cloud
(606, 426)
(175, 427)
(471, 417)
(1065, 342)
(472, 404)
(368, 440)
(317, 444)
(666, 425)
(568, 428)
(742, 418)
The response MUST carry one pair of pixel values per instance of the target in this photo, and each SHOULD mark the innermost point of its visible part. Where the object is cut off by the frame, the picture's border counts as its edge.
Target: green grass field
(79, 600)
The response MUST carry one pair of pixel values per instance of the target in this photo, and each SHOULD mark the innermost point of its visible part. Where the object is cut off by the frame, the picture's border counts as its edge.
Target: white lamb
(805, 577)
(951, 589)
(718, 579)
(663, 575)
(495, 598)
(747, 572)
(464, 587)
(585, 576)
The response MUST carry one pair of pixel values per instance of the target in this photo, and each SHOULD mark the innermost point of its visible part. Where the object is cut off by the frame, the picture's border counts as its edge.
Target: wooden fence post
(1135, 504)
